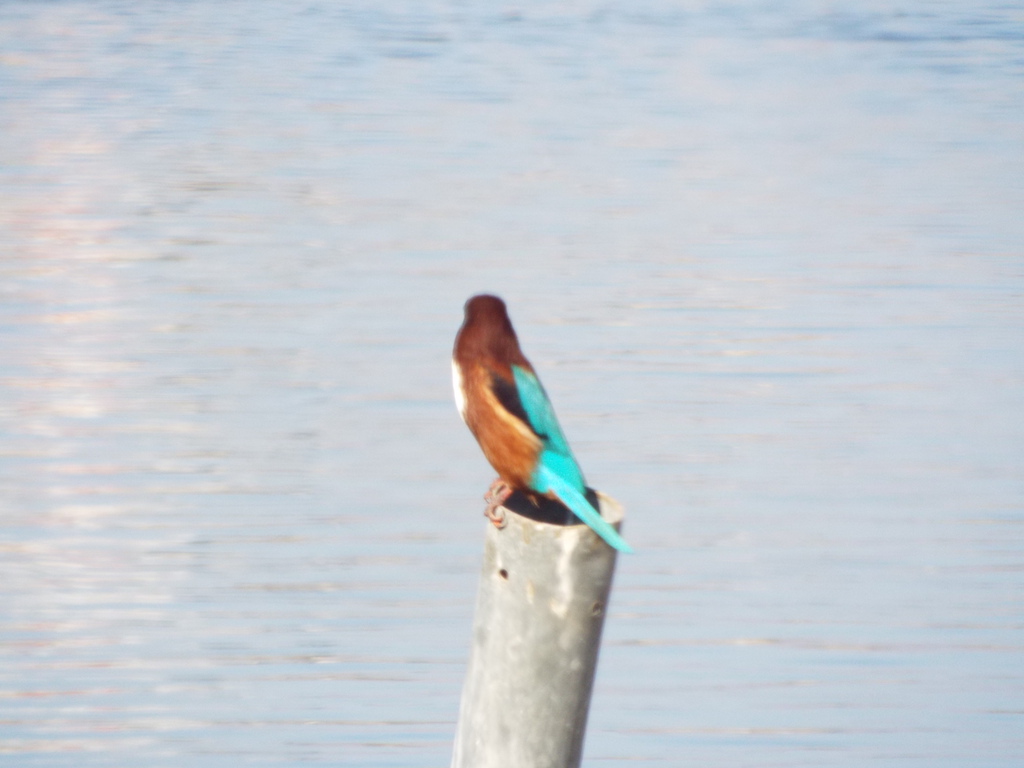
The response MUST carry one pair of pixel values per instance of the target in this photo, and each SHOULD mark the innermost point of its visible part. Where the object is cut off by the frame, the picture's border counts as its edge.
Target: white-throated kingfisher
(505, 407)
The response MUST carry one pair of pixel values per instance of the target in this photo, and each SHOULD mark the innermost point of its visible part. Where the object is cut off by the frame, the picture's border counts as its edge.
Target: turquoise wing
(557, 470)
(556, 454)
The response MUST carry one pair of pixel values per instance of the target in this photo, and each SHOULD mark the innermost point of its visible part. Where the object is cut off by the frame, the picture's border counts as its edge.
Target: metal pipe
(539, 613)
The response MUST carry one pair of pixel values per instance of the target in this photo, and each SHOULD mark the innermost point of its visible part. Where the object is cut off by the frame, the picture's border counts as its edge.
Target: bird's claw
(495, 515)
(496, 495)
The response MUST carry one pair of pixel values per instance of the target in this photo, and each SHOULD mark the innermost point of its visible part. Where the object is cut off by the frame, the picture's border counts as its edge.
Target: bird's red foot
(496, 496)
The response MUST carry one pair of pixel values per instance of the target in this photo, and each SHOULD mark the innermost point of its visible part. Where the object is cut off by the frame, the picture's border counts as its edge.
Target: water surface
(766, 257)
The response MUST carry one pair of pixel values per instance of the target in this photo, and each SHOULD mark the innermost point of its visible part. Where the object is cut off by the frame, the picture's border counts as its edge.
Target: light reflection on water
(767, 260)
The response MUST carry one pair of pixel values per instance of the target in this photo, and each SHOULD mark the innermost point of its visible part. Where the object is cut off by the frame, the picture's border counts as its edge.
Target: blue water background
(768, 259)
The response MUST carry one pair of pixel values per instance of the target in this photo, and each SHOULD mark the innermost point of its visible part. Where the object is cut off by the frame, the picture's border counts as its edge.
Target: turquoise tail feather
(580, 507)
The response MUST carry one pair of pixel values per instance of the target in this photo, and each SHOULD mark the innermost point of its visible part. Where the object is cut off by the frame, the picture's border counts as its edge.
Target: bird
(505, 406)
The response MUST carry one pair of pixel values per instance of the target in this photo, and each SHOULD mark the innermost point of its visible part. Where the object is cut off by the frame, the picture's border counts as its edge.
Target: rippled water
(766, 256)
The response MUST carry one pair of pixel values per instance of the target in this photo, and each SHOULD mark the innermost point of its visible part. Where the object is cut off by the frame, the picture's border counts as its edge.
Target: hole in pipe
(545, 510)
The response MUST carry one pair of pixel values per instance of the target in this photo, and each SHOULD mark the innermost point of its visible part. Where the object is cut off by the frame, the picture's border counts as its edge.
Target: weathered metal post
(539, 614)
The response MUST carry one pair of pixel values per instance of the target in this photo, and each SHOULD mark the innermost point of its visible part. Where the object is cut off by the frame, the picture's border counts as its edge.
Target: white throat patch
(460, 392)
